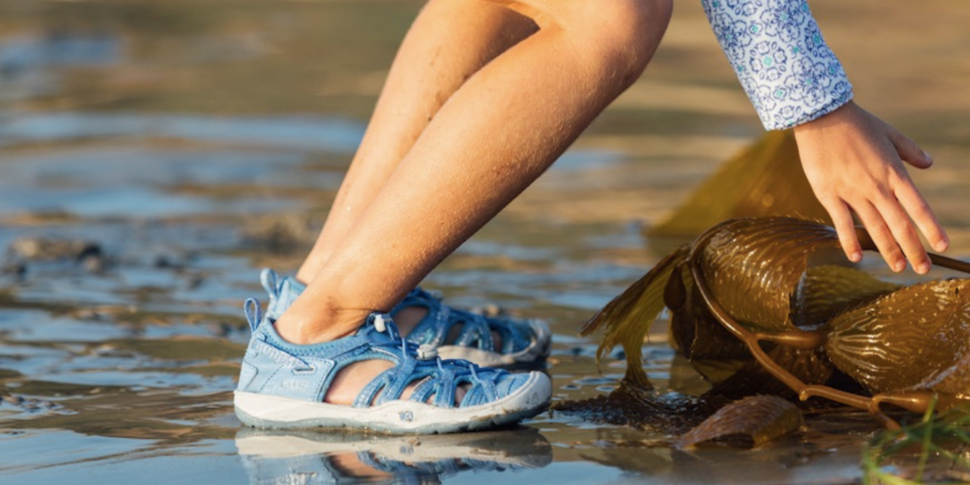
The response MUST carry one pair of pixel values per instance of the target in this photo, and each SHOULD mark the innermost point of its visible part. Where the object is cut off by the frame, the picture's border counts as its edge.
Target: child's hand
(854, 161)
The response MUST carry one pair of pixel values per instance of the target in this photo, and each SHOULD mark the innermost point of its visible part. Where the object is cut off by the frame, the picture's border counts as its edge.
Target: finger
(881, 235)
(845, 227)
(904, 233)
(909, 151)
(917, 208)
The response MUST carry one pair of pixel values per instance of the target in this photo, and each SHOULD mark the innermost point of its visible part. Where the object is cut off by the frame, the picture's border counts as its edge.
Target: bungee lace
(410, 350)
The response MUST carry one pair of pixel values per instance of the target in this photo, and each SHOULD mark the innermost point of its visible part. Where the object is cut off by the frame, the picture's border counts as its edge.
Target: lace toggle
(427, 352)
(379, 324)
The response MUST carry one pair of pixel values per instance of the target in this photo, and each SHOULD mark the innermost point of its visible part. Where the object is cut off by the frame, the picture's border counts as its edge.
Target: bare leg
(492, 138)
(448, 42)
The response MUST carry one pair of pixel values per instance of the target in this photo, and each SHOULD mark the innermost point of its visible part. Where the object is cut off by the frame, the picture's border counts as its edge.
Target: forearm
(853, 160)
(783, 63)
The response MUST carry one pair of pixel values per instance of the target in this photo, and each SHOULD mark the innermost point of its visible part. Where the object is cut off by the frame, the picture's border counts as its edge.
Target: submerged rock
(279, 234)
(87, 254)
(50, 249)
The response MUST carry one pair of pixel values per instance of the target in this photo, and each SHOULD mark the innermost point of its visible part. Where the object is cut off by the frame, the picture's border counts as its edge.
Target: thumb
(909, 151)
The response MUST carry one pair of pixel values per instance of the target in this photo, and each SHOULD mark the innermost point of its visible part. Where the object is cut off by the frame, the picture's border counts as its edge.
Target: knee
(620, 36)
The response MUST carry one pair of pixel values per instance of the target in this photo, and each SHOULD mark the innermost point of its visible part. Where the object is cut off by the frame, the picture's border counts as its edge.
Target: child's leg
(492, 138)
(444, 47)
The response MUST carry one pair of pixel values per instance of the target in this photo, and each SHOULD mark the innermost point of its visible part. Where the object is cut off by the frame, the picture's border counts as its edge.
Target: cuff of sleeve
(792, 116)
(778, 53)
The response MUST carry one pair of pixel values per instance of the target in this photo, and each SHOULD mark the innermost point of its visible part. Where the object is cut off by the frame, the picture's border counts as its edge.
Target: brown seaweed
(914, 400)
(758, 419)
(752, 279)
(827, 290)
(642, 302)
(914, 338)
(753, 266)
(710, 348)
(747, 260)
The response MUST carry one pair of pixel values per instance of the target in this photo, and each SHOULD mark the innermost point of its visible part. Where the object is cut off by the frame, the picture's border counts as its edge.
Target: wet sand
(180, 146)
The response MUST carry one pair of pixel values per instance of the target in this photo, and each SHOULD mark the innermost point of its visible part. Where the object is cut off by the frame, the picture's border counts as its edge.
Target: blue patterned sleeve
(776, 49)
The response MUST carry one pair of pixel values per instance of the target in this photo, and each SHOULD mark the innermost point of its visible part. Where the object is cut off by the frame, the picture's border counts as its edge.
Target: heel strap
(270, 281)
(254, 315)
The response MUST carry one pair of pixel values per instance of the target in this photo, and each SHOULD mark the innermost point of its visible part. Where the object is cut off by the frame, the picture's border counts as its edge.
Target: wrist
(842, 115)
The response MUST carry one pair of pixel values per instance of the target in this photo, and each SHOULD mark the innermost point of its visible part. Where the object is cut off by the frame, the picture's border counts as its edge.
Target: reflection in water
(309, 457)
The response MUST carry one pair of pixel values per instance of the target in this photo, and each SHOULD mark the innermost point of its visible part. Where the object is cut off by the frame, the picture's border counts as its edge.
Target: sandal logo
(406, 416)
(295, 385)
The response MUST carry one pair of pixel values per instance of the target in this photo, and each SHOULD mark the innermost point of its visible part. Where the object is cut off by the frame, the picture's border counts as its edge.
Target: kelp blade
(627, 318)
(825, 291)
(759, 418)
(809, 366)
(752, 266)
(914, 338)
(766, 179)
(710, 348)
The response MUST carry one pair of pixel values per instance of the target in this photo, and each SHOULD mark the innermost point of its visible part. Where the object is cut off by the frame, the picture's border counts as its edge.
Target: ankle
(320, 327)
(305, 275)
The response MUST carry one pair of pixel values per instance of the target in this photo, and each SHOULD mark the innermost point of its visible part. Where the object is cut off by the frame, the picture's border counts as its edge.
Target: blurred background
(154, 154)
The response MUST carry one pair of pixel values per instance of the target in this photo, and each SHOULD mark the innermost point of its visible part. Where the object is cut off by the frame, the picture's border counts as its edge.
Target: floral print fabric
(776, 49)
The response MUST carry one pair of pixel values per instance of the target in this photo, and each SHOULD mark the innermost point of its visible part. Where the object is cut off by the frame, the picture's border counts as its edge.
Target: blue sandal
(455, 333)
(283, 385)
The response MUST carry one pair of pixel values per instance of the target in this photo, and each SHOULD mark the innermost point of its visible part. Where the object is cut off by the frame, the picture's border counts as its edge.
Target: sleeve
(777, 51)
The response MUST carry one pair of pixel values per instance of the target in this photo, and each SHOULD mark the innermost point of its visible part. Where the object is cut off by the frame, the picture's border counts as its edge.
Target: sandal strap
(476, 329)
(377, 339)
(516, 336)
(438, 377)
(482, 391)
(390, 384)
(404, 374)
(366, 397)
(435, 327)
(424, 390)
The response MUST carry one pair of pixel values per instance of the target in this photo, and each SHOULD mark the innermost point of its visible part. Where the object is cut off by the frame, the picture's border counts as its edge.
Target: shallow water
(192, 143)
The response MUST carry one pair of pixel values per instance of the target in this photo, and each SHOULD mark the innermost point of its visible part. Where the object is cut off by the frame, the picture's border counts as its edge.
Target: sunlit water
(117, 364)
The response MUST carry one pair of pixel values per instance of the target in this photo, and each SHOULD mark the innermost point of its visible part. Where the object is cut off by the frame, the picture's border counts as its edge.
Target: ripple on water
(309, 133)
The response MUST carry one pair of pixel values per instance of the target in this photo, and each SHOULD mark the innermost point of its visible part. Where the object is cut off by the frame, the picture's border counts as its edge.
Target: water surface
(192, 143)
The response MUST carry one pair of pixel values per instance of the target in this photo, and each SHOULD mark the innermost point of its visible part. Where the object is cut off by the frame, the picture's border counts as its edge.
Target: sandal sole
(395, 417)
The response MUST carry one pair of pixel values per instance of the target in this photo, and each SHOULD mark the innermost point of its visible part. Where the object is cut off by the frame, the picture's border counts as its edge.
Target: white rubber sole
(396, 417)
(534, 354)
